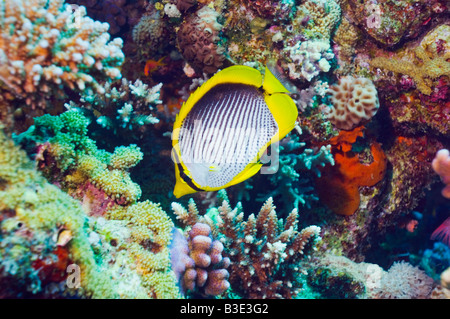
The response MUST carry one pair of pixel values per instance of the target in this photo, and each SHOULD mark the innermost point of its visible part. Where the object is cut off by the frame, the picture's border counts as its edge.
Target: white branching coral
(46, 46)
(124, 104)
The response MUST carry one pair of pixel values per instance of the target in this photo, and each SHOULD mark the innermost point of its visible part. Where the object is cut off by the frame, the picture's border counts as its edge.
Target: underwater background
(357, 206)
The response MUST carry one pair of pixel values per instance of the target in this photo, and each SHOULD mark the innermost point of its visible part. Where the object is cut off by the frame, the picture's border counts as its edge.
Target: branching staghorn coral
(46, 48)
(264, 252)
(123, 106)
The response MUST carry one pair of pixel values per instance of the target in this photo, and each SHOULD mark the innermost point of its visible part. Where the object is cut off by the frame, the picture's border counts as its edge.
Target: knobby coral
(198, 261)
(264, 252)
(198, 40)
(354, 102)
(441, 165)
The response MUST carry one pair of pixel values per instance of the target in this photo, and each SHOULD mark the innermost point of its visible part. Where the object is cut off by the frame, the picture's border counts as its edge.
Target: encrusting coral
(34, 215)
(67, 156)
(264, 252)
(338, 187)
(428, 63)
(151, 35)
(47, 48)
(368, 281)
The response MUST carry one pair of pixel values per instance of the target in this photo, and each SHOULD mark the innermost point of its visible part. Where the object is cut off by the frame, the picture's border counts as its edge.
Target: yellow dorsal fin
(272, 85)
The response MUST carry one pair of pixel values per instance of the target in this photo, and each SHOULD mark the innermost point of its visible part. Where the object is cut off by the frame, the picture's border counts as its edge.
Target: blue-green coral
(70, 157)
(297, 167)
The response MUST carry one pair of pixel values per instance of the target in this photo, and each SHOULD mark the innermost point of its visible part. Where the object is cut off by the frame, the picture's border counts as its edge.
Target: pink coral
(442, 232)
(198, 263)
(441, 165)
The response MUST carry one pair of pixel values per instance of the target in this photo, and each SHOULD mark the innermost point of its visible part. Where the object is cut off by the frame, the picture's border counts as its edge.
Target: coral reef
(123, 107)
(366, 280)
(151, 34)
(291, 179)
(45, 233)
(50, 50)
(90, 90)
(198, 260)
(338, 186)
(390, 22)
(67, 156)
(264, 252)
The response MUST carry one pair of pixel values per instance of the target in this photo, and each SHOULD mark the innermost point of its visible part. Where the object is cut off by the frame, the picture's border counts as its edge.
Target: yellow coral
(428, 63)
(42, 207)
(138, 267)
(151, 233)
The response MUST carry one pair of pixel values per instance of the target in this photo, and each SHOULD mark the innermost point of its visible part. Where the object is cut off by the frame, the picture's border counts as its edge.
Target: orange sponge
(338, 187)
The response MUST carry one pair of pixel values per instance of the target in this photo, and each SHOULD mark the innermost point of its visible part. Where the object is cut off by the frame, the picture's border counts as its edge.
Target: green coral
(125, 255)
(32, 213)
(76, 158)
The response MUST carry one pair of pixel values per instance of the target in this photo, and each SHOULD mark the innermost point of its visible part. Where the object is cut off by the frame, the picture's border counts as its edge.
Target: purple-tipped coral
(198, 262)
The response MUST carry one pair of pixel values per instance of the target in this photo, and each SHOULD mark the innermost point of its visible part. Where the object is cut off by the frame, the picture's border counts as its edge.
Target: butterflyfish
(225, 127)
